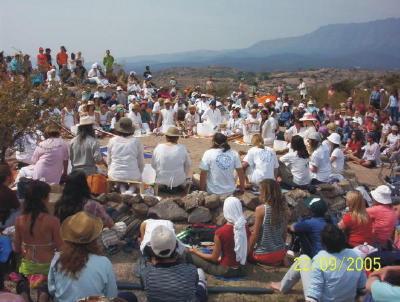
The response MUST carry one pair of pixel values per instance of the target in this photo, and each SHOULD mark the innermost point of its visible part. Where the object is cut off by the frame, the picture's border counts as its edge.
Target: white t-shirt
(262, 163)
(171, 163)
(338, 163)
(268, 130)
(221, 170)
(392, 139)
(125, 158)
(136, 119)
(299, 168)
(214, 117)
(320, 159)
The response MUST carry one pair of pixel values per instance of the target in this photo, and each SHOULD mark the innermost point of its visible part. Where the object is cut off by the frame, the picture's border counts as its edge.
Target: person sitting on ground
(384, 284)
(218, 165)
(298, 162)
(230, 244)
(260, 163)
(235, 124)
(37, 235)
(391, 143)
(76, 197)
(319, 284)
(212, 115)
(166, 117)
(84, 149)
(105, 117)
(171, 161)
(337, 156)
(81, 270)
(382, 215)
(371, 156)
(9, 203)
(320, 165)
(354, 145)
(125, 158)
(192, 118)
(267, 241)
(51, 157)
(356, 222)
(306, 233)
(166, 278)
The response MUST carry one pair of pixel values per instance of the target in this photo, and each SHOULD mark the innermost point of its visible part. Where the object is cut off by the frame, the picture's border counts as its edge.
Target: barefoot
(275, 286)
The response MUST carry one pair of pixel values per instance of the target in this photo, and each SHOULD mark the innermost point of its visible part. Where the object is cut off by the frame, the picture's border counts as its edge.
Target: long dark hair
(220, 141)
(76, 191)
(298, 145)
(274, 197)
(85, 131)
(36, 192)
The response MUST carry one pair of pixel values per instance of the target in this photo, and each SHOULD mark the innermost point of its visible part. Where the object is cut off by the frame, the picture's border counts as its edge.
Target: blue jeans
(394, 113)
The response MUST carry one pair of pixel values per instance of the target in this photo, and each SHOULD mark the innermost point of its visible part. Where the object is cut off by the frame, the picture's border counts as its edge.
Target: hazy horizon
(132, 29)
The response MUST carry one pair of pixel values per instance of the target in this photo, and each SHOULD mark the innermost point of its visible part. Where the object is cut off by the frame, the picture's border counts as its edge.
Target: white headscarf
(233, 213)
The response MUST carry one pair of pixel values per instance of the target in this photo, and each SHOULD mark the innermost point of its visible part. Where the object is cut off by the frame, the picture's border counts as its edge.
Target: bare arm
(259, 216)
(203, 180)
(215, 253)
(241, 176)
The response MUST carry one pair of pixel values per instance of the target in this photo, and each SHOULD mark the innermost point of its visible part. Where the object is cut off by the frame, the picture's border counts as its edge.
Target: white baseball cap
(163, 241)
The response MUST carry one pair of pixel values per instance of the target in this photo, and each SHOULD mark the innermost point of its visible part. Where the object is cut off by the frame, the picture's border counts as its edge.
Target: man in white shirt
(212, 115)
(302, 89)
(201, 104)
(166, 118)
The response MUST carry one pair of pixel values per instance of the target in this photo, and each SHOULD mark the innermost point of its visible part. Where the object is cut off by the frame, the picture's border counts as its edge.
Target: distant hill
(371, 45)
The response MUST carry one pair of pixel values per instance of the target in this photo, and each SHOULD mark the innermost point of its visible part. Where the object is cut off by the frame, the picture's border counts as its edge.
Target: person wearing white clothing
(337, 156)
(218, 166)
(298, 161)
(252, 122)
(125, 156)
(136, 118)
(212, 115)
(268, 131)
(192, 118)
(261, 163)
(166, 118)
(320, 165)
(171, 161)
(235, 124)
(302, 89)
(201, 104)
(95, 75)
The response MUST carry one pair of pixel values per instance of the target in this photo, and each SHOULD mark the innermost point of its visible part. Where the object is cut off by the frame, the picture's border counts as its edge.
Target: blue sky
(131, 27)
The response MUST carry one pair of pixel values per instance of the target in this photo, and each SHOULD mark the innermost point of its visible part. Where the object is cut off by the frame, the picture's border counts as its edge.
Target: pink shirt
(9, 297)
(48, 157)
(384, 220)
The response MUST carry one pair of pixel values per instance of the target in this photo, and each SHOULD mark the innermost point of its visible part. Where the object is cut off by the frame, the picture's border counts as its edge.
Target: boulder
(151, 201)
(199, 215)
(129, 199)
(102, 198)
(218, 216)
(140, 209)
(201, 197)
(250, 217)
(177, 200)
(345, 185)
(114, 197)
(190, 202)
(212, 201)
(297, 194)
(169, 210)
(250, 200)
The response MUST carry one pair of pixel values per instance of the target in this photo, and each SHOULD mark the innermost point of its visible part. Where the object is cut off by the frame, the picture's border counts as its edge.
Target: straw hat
(382, 194)
(81, 228)
(334, 138)
(167, 101)
(331, 127)
(172, 131)
(308, 117)
(85, 120)
(124, 125)
(90, 103)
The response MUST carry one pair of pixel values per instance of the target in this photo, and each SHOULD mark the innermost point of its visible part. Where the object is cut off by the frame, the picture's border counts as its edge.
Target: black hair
(333, 238)
(85, 131)
(5, 171)
(36, 192)
(220, 141)
(76, 191)
(172, 139)
(72, 56)
(298, 145)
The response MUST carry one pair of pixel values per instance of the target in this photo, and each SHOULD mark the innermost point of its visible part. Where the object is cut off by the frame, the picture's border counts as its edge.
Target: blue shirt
(339, 282)
(312, 227)
(382, 291)
(95, 279)
(375, 97)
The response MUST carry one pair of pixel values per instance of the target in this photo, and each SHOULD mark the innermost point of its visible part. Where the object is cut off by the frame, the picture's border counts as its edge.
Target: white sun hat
(334, 138)
(382, 194)
(85, 120)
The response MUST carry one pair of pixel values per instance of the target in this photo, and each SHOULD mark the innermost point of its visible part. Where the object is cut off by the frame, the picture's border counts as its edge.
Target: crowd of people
(60, 254)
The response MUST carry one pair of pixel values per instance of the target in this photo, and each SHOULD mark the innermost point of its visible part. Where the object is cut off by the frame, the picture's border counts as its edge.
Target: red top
(357, 233)
(225, 234)
(62, 58)
(355, 146)
(41, 59)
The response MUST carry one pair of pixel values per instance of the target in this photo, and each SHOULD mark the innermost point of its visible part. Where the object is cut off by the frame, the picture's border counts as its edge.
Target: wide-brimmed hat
(119, 88)
(172, 131)
(124, 125)
(81, 228)
(285, 105)
(382, 194)
(90, 103)
(167, 101)
(314, 136)
(308, 117)
(163, 241)
(334, 138)
(310, 102)
(85, 120)
(331, 127)
(395, 128)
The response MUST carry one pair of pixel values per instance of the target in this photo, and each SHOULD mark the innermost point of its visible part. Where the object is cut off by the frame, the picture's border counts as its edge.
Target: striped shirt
(175, 282)
(271, 238)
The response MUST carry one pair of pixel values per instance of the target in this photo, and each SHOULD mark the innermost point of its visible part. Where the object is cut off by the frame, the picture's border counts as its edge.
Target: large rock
(169, 210)
(250, 200)
(130, 199)
(297, 194)
(102, 198)
(218, 217)
(212, 202)
(114, 197)
(190, 202)
(199, 215)
(151, 201)
(250, 217)
(140, 209)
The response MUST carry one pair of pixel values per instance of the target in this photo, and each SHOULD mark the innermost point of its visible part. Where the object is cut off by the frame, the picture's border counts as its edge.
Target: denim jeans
(394, 113)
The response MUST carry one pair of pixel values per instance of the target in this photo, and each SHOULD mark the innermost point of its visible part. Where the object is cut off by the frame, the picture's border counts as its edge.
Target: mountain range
(368, 45)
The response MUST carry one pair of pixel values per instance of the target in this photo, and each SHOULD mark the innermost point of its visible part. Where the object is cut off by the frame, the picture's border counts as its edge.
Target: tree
(21, 108)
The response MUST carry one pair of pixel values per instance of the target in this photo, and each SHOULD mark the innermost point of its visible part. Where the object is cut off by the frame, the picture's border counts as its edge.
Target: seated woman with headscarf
(96, 75)
(230, 244)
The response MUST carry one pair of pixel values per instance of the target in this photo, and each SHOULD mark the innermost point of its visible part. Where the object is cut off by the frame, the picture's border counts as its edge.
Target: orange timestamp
(350, 264)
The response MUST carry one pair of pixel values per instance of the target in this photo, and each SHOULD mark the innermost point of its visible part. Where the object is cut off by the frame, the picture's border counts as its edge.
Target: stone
(167, 209)
(250, 217)
(200, 215)
(114, 197)
(137, 199)
(345, 185)
(140, 209)
(201, 197)
(150, 201)
(218, 216)
(212, 201)
(128, 199)
(102, 198)
(250, 200)
(190, 202)
(297, 194)
(326, 187)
